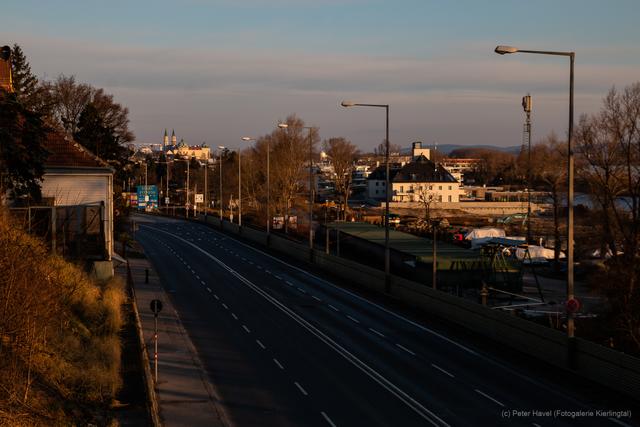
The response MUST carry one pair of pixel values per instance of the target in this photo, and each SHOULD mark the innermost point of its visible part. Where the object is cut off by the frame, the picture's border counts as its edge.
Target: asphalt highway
(287, 348)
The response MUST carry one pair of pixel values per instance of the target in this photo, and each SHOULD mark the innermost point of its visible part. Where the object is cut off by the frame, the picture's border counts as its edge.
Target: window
(440, 187)
(431, 187)
(377, 183)
(449, 198)
(402, 188)
(449, 190)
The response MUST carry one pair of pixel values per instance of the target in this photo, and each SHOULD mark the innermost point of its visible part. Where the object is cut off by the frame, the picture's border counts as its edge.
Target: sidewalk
(185, 395)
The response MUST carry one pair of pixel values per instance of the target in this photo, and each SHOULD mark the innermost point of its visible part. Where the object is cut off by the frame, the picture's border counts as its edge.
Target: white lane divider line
(202, 282)
(209, 289)
(316, 298)
(302, 290)
(259, 267)
(267, 271)
(243, 258)
(234, 316)
(536, 425)
(302, 390)
(278, 363)
(225, 306)
(353, 319)
(288, 283)
(216, 297)
(380, 334)
(405, 349)
(333, 308)
(277, 277)
(327, 419)
(197, 277)
(412, 403)
(444, 371)
(246, 329)
(261, 345)
(489, 397)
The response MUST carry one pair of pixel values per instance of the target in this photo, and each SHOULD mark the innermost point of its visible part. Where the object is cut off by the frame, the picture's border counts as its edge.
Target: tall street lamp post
(571, 302)
(221, 149)
(387, 255)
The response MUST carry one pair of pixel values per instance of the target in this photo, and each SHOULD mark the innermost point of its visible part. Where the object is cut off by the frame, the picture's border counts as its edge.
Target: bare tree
(610, 146)
(549, 168)
(427, 198)
(70, 100)
(343, 155)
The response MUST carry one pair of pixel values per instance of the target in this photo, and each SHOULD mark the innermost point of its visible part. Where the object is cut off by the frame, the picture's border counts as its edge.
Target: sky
(218, 70)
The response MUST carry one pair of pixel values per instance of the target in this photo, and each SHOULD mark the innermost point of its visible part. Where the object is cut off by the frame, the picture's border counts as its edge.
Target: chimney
(417, 151)
(5, 69)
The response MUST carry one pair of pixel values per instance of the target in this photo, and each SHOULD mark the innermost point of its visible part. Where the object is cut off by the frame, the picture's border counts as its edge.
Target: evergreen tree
(22, 154)
(25, 84)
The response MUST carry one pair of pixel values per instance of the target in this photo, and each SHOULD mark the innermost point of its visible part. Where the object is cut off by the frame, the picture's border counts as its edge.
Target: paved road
(286, 348)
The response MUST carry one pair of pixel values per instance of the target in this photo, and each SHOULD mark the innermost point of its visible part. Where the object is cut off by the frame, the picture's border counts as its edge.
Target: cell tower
(526, 139)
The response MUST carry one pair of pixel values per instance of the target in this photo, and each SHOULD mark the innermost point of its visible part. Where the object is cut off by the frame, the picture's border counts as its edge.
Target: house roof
(66, 153)
(380, 172)
(423, 170)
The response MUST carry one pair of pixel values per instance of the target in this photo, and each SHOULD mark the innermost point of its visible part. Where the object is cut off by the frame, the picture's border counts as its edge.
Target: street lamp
(387, 255)
(221, 149)
(570, 288)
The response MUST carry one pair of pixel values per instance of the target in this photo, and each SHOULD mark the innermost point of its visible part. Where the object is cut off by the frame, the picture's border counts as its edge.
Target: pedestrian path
(186, 397)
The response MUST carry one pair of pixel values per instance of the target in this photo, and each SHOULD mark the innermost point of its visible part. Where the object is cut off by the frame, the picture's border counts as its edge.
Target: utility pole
(526, 105)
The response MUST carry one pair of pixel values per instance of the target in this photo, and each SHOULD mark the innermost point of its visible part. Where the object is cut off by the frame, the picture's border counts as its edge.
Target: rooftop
(66, 153)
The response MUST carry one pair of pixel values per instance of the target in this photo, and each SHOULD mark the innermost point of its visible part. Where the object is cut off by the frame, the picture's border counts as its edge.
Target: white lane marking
(261, 345)
(536, 425)
(216, 297)
(489, 397)
(416, 406)
(380, 334)
(302, 390)
(353, 319)
(234, 316)
(327, 419)
(405, 349)
(614, 420)
(259, 267)
(302, 290)
(267, 271)
(371, 303)
(444, 371)
(316, 298)
(277, 277)
(243, 258)
(288, 283)
(197, 277)
(209, 289)
(246, 329)
(225, 306)
(278, 363)
(333, 308)
(251, 262)
(202, 282)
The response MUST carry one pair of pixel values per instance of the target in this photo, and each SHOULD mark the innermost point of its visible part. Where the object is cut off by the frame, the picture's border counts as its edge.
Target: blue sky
(217, 70)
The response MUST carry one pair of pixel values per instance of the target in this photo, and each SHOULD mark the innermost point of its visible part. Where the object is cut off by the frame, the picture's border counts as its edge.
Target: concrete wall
(605, 366)
(478, 208)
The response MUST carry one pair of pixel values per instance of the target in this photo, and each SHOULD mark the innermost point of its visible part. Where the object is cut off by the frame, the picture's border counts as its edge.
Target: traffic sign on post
(572, 305)
(156, 306)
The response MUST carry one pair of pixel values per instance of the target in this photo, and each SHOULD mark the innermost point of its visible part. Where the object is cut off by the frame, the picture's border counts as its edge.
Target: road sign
(166, 200)
(156, 306)
(199, 198)
(572, 305)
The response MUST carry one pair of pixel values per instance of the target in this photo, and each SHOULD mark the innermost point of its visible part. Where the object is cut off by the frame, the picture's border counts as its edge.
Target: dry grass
(59, 343)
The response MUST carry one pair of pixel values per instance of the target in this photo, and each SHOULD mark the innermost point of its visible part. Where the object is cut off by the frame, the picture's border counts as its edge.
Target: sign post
(156, 307)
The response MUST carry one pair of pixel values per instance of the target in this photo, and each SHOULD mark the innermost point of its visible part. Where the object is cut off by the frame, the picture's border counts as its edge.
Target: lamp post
(186, 203)
(221, 149)
(570, 161)
(387, 255)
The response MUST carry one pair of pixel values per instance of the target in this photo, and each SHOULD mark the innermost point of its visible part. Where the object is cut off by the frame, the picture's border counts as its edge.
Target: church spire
(174, 140)
(165, 139)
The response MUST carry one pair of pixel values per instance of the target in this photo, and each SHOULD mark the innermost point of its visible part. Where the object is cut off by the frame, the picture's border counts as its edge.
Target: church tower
(174, 140)
(165, 139)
